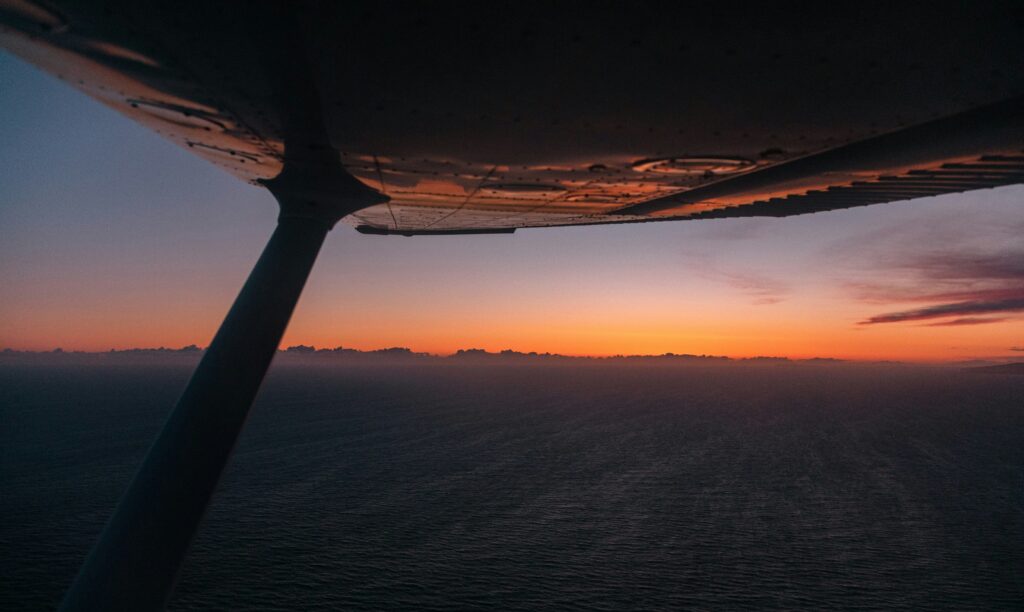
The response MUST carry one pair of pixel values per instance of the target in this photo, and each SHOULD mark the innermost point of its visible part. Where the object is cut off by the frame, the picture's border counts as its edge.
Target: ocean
(545, 487)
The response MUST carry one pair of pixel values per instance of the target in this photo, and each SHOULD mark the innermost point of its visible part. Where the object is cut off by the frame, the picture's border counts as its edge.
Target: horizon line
(393, 351)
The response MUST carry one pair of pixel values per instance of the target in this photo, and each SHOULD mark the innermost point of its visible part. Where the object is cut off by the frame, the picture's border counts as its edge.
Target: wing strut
(134, 564)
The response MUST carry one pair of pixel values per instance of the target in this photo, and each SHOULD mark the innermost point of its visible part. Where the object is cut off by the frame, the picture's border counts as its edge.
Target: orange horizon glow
(722, 339)
(564, 307)
(559, 310)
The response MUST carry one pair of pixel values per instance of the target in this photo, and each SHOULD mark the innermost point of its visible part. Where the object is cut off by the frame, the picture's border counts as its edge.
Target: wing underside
(495, 140)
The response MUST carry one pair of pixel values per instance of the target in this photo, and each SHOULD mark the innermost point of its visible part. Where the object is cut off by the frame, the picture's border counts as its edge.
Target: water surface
(546, 487)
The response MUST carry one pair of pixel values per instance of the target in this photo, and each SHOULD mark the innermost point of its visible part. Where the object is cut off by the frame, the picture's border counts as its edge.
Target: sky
(111, 237)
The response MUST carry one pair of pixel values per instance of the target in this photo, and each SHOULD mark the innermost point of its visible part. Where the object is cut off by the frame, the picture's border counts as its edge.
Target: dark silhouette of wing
(494, 116)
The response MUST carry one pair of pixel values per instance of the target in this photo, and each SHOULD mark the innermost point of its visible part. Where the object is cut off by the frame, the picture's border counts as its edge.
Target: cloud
(955, 309)
(967, 321)
(883, 294)
(1017, 348)
(957, 286)
(959, 264)
(763, 289)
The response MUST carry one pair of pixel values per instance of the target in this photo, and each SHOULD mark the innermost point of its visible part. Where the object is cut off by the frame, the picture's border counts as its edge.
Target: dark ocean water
(545, 487)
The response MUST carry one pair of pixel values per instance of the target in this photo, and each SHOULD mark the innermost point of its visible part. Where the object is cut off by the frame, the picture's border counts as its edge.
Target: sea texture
(443, 487)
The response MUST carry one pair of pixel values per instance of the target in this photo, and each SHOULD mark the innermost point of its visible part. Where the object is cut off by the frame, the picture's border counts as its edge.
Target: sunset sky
(111, 237)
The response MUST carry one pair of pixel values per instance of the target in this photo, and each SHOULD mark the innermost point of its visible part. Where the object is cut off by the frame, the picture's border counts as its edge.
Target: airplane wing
(569, 113)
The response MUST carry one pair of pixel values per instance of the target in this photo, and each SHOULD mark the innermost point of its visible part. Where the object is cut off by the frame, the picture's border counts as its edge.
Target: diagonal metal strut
(136, 561)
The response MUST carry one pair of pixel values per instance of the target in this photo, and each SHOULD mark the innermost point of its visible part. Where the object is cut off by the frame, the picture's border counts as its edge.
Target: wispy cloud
(956, 285)
(958, 264)
(938, 273)
(967, 321)
(761, 288)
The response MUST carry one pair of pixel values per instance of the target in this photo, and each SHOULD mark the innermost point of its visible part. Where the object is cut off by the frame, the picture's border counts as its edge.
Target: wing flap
(948, 178)
(975, 149)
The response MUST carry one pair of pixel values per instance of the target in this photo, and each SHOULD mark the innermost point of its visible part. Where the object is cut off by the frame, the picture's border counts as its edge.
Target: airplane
(420, 119)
